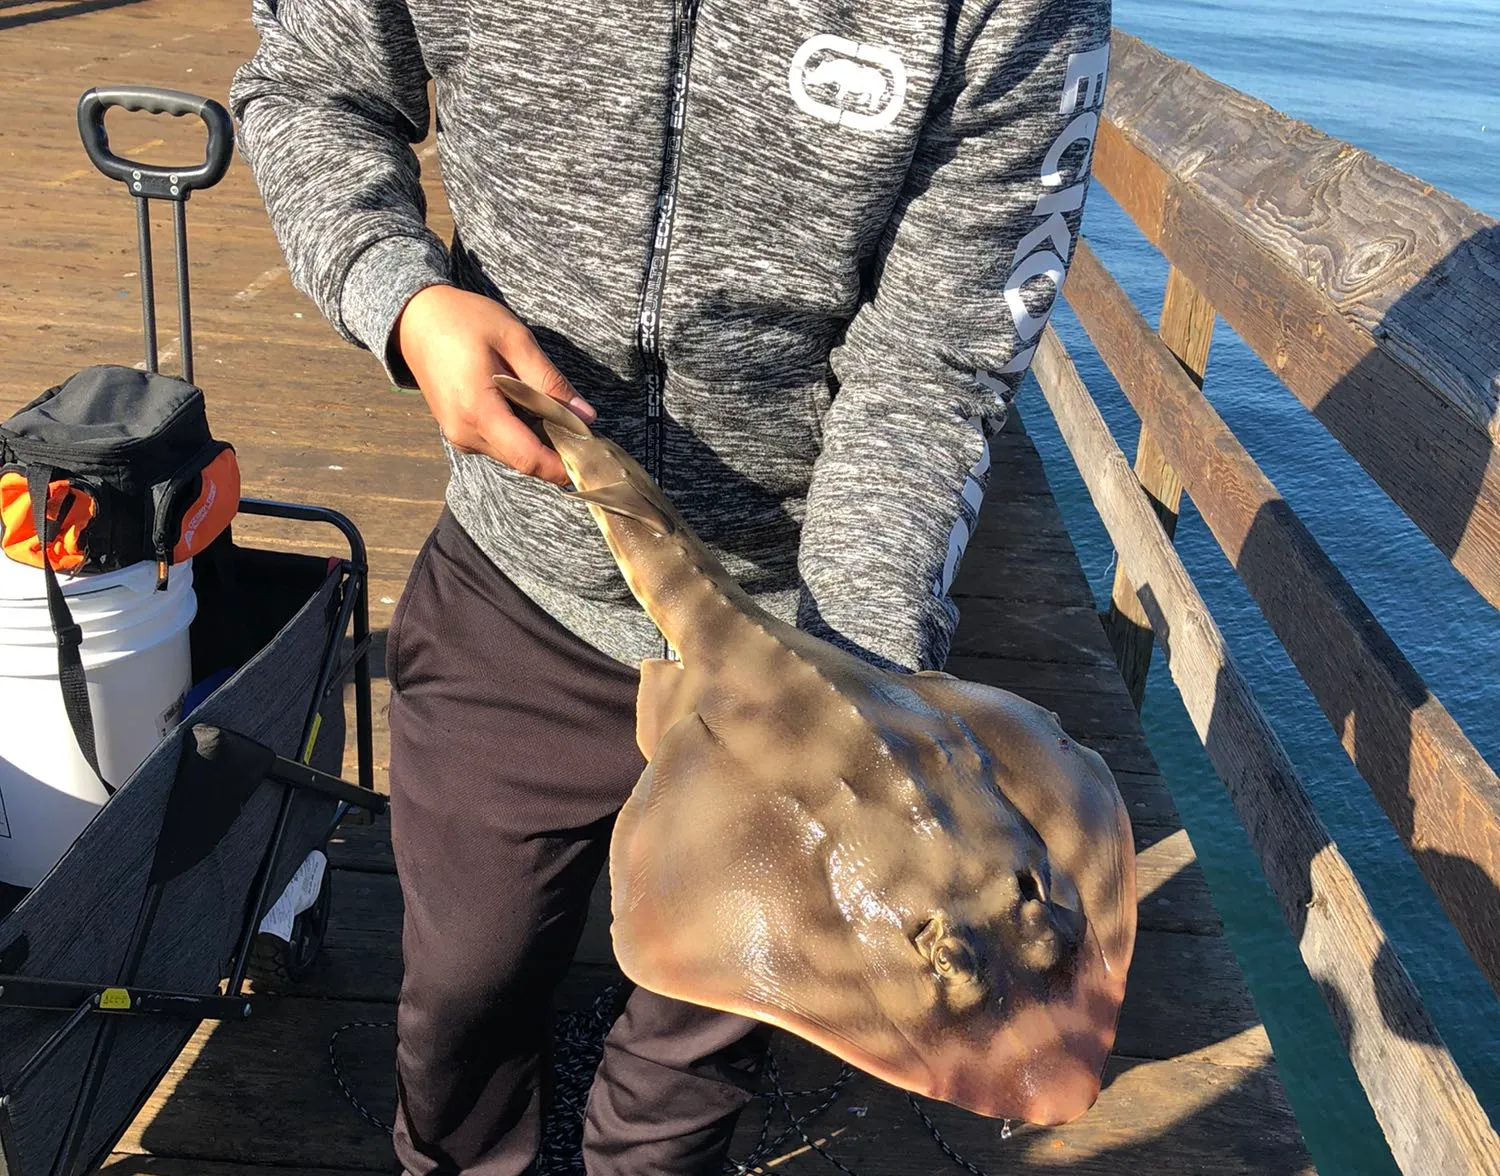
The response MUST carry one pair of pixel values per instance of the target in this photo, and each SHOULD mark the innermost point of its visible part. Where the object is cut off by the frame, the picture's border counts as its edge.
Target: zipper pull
(161, 572)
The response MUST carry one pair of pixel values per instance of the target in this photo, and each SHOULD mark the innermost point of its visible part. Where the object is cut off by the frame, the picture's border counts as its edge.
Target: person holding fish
(794, 260)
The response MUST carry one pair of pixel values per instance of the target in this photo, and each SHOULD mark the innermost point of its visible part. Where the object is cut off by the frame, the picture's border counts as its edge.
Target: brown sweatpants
(512, 749)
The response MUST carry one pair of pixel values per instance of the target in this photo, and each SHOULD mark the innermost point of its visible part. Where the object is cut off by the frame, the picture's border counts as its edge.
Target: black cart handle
(168, 183)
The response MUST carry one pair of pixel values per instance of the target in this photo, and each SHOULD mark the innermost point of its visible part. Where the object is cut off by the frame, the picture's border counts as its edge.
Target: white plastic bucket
(138, 667)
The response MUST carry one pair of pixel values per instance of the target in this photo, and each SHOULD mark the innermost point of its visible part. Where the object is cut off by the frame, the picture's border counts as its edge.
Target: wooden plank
(1173, 1118)
(236, 1088)
(55, 55)
(1022, 629)
(1149, 801)
(221, 33)
(1020, 573)
(1138, 186)
(1177, 1118)
(1125, 753)
(1372, 296)
(380, 698)
(1187, 326)
(1086, 715)
(1430, 1116)
(277, 468)
(1033, 523)
(363, 847)
(364, 964)
(58, 175)
(1439, 793)
(1016, 468)
(132, 25)
(74, 338)
(1016, 673)
(1171, 889)
(389, 562)
(271, 535)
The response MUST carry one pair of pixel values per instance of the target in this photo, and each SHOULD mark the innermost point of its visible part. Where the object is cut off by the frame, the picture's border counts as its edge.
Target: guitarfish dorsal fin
(541, 405)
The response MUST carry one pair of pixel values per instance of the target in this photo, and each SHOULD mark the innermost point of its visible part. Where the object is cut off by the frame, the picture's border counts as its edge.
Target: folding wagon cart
(150, 922)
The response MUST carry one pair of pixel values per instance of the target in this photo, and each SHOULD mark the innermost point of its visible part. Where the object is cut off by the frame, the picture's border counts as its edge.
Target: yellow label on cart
(312, 738)
(115, 1000)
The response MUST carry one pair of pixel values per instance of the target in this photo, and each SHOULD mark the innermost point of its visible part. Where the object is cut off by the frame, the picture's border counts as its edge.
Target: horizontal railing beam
(1427, 1110)
(1373, 297)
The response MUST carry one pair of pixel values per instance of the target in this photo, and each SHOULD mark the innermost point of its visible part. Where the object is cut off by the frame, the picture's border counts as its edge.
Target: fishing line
(763, 1149)
(338, 1075)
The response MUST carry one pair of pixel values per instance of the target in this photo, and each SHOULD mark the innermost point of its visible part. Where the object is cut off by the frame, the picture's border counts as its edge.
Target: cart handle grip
(168, 183)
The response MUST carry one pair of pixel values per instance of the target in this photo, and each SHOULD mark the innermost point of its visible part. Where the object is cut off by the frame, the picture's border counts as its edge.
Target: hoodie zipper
(648, 324)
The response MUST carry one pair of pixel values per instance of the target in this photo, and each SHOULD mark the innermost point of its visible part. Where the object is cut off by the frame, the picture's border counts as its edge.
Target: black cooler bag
(112, 467)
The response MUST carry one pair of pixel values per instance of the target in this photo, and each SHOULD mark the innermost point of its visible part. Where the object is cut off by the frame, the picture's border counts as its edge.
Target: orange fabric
(18, 535)
(212, 511)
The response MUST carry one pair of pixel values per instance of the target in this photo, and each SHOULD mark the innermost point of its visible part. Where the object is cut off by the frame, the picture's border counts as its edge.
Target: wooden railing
(1376, 301)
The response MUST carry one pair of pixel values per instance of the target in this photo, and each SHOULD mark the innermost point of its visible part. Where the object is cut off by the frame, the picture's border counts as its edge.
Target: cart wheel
(280, 963)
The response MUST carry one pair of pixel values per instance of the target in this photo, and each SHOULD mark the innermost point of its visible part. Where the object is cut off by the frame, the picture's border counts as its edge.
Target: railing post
(1187, 328)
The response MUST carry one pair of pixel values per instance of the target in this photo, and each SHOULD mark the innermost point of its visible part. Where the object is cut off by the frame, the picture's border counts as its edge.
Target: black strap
(69, 636)
(221, 554)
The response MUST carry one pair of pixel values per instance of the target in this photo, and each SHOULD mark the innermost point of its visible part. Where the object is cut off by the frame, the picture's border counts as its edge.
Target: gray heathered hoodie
(797, 253)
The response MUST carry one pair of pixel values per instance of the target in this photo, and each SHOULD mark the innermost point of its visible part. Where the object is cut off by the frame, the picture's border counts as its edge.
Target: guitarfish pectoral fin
(662, 701)
(622, 498)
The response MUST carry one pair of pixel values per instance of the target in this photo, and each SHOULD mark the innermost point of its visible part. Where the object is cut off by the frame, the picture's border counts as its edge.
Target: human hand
(455, 342)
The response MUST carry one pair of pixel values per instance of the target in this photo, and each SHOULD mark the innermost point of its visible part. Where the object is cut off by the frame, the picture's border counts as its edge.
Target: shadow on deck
(16, 14)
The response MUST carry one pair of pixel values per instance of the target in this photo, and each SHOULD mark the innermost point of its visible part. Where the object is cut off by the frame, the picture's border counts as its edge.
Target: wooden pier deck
(1193, 1087)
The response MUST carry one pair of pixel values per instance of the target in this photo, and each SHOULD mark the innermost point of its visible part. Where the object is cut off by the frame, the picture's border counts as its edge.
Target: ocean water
(1417, 83)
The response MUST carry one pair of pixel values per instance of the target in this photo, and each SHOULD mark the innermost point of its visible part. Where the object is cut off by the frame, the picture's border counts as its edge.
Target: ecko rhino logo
(846, 83)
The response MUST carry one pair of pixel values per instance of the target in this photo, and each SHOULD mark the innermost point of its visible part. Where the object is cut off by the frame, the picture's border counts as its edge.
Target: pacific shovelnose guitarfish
(924, 876)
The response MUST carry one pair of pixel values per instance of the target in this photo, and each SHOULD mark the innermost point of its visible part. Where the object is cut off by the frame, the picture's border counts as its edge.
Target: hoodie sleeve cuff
(376, 289)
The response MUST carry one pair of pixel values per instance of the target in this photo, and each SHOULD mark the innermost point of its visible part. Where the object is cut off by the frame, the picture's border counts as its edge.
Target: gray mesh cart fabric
(126, 907)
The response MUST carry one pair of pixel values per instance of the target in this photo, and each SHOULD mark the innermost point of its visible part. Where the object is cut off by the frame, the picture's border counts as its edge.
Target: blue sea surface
(1416, 83)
